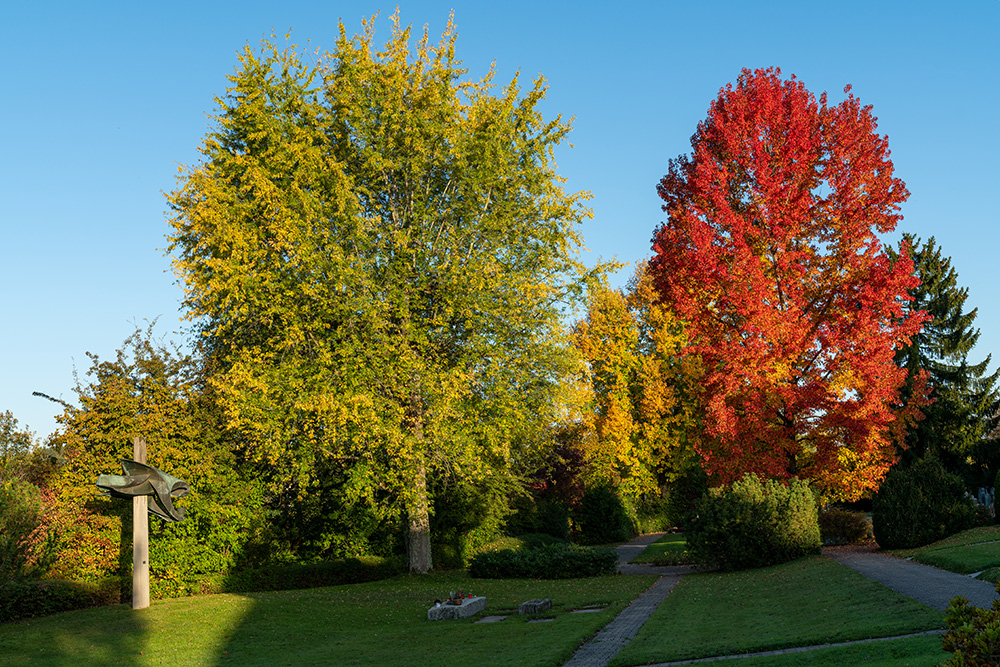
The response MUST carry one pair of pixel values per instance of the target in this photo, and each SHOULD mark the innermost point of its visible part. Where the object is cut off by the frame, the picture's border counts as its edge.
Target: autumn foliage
(770, 255)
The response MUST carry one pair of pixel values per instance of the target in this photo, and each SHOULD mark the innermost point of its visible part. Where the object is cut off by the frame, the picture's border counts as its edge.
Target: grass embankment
(974, 550)
(379, 623)
(671, 549)
(803, 603)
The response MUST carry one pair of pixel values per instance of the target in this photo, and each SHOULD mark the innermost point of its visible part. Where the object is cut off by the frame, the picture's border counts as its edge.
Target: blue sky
(102, 101)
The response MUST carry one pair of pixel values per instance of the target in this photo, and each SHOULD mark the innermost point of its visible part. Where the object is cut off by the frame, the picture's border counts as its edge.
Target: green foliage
(840, 526)
(547, 515)
(551, 561)
(31, 599)
(26, 547)
(919, 505)
(313, 575)
(965, 399)
(378, 251)
(973, 635)
(152, 391)
(754, 523)
(602, 518)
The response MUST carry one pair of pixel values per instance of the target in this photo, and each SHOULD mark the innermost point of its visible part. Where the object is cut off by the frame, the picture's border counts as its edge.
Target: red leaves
(770, 253)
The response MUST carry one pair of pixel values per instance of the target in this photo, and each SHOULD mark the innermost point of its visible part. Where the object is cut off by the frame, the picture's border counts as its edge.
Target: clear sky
(101, 102)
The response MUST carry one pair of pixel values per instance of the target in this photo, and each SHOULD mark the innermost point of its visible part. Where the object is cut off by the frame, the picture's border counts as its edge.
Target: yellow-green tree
(376, 250)
(643, 414)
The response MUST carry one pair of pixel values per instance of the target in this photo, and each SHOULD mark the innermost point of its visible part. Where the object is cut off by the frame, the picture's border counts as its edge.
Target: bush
(313, 575)
(551, 561)
(973, 634)
(25, 551)
(920, 505)
(840, 526)
(602, 518)
(754, 523)
(30, 599)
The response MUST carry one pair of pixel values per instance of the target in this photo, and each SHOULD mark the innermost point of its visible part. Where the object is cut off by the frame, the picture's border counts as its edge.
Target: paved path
(616, 634)
(926, 584)
(923, 583)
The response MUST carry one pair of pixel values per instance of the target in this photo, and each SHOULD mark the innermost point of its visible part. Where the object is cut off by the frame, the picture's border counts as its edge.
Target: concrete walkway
(926, 584)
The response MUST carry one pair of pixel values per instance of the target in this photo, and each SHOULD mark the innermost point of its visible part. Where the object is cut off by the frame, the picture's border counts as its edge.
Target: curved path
(926, 584)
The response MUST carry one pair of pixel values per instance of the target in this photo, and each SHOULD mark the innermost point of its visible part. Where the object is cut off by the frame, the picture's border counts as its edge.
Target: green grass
(671, 549)
(911, 652)
(970, 551)
(803, 603)
(378, 623)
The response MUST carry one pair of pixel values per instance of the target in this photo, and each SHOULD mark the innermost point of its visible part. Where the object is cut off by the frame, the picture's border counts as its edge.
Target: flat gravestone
(491, 619)
(444, 611)
(534, 606)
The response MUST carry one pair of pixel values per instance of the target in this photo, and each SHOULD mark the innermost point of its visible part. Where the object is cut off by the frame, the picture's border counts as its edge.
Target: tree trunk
(419, 520)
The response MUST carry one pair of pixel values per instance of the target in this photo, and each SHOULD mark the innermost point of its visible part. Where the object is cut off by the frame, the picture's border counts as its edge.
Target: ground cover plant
(671, 549)
(377, 623)
(802, 603)
(548, 561)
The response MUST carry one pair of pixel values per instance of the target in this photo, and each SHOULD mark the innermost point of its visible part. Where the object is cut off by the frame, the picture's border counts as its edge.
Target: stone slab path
(926, 584)
(616, 634)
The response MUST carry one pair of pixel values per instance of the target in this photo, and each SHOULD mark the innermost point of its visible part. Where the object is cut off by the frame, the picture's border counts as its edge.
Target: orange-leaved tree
(642, 388)
(771, 255)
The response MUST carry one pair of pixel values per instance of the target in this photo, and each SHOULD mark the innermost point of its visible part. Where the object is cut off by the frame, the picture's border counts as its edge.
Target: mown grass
(910, 652)
(803, 603)
(671, 549)
(378, 623)
(973, 550)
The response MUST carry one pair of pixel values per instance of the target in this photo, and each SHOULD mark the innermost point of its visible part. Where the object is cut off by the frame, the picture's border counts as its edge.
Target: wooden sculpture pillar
(140, 537)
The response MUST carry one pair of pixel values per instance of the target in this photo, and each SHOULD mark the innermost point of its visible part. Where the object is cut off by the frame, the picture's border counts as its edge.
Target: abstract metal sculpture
(140, 482)
(143, 480)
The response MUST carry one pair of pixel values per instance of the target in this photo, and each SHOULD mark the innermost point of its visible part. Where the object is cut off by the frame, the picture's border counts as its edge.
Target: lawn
(378, 623)
(970, 551)
(803, 603)
(671, 549)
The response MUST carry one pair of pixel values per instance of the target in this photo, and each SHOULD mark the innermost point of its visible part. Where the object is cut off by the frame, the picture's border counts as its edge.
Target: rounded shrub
(754, 523)
(602, 518)
(919, 505)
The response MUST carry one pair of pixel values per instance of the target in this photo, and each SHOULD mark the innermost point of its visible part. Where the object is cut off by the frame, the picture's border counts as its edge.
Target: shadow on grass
(101, 636)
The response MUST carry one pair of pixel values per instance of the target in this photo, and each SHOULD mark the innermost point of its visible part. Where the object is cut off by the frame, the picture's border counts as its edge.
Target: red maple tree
(770, 254)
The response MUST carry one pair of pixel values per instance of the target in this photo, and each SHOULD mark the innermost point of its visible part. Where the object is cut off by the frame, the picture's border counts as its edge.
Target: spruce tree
(957, 426)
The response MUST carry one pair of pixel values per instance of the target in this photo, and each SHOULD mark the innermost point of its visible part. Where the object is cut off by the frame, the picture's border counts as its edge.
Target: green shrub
(920, 505)
(25, 551)
(602, 518)
(550, 561)
(754, 523)
(313, 575)
(840, 526)
(30, 599)
(973, 634)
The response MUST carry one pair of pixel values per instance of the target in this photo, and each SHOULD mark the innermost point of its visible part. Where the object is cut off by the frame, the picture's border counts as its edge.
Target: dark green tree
(958, 424)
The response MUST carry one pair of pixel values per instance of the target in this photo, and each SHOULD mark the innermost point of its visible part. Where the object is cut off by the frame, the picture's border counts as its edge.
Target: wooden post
(140, 537)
